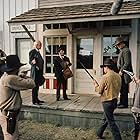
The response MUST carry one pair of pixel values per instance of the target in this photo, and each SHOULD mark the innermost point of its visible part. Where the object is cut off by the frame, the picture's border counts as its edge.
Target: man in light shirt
(109, 88)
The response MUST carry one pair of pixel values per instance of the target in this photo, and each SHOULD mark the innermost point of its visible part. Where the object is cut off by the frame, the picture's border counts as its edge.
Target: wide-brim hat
(12, 63)
(108, 62)
(118, 41)
(60, 48)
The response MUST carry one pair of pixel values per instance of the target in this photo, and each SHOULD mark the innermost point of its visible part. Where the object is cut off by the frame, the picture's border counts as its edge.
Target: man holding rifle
(10, 99)
(124, 63)
(109, 88)
(136, 104)
(136, 108)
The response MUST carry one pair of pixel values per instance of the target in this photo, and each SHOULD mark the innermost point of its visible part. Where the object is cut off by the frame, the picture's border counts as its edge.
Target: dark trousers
(109, 107)
(35, 94)
(137, 131)
(63, 82)
(124, 93)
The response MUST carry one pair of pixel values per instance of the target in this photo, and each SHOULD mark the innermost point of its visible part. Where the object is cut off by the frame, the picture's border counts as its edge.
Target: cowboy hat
(60, 48)
(12, 63)
(108, 62)
(118, 41)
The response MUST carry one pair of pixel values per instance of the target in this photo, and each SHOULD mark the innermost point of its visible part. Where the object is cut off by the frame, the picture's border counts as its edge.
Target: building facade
(14, 39)
(86, 30)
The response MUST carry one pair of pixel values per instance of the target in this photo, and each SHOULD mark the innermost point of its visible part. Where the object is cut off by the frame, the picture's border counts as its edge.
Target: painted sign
(19, 28)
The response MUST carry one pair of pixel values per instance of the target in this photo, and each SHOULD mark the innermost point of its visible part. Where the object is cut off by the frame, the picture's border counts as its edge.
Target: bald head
(37, 44)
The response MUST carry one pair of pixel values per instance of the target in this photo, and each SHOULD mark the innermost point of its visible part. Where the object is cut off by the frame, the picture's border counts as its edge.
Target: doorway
(23, 46)
(84, 49)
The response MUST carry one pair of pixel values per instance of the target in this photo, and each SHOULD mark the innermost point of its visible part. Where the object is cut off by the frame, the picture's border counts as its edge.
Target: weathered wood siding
(9, 9)
(57, 3)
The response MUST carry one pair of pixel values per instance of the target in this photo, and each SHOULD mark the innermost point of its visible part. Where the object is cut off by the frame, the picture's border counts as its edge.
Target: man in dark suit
(123, 63)
(37, 64)
(60, 63)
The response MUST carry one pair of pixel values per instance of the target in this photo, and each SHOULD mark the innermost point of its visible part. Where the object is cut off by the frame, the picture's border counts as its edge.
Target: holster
(136, 117)
(11, 121)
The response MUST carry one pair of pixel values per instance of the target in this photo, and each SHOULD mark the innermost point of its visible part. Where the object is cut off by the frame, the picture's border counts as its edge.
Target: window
(109, 51)
(51, 46)
(84, 25)
(23, 46)
(85, 53)
(54, 26)
(125, 22)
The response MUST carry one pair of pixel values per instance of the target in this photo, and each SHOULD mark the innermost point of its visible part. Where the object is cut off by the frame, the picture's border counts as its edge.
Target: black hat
(108, 62)
(12, 63)
(60, 48)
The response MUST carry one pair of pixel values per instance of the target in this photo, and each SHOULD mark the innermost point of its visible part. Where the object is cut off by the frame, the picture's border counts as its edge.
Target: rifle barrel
(86, 70)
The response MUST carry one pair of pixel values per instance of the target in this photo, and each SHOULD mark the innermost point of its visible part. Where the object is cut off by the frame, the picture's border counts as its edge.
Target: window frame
(52, 54)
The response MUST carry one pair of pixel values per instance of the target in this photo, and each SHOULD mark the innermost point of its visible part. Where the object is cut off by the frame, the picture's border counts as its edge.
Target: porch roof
(77, 13)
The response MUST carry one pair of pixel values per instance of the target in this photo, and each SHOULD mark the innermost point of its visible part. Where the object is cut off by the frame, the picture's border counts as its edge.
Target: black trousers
(124, 93)
(35, 94)
(63, 82)
(137, 130)
(109, 107)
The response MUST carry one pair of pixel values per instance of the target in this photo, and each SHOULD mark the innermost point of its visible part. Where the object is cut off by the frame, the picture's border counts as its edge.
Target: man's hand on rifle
(135, 79)
(95, 83)
(120, 73)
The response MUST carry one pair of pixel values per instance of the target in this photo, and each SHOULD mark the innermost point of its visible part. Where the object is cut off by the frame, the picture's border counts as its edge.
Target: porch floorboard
(83, 110)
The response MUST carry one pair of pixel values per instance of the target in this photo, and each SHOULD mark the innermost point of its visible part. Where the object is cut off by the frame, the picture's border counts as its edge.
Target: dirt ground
(30, 130)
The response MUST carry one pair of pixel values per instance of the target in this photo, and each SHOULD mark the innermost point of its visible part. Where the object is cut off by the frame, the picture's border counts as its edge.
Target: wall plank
(32, 4)
(18, 7)
(57, 3)
(25, 6)
(1, 24)
(6, 27)
(8, 10)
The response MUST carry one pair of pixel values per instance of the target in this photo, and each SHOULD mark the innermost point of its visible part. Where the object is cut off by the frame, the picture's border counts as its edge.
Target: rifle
(87, 71)
(131, 74)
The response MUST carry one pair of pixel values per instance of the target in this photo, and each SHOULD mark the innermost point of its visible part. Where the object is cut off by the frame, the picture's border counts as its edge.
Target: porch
(83, 110)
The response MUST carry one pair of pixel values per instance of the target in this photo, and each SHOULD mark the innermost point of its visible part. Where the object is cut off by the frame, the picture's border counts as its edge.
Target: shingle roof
(77, 11)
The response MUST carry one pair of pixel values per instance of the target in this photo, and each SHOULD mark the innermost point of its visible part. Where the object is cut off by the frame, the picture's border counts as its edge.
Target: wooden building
(85, 28)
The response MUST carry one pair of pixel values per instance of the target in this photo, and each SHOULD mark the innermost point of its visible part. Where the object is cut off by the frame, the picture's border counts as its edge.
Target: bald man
(36, 61)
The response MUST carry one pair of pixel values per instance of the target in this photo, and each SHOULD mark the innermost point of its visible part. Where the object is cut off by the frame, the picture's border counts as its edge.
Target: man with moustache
(60, 63)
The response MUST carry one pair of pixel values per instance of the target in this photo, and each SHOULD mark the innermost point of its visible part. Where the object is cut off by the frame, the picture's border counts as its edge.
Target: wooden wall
(9, 9)
(58, 3)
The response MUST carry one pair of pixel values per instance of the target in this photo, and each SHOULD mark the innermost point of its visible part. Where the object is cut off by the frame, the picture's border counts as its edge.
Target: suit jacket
(36, 69)
(125, 63)
(59, 65)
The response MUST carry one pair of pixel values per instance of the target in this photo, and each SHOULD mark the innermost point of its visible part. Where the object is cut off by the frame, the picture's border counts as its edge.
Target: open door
(84, 54)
